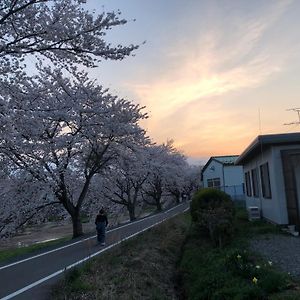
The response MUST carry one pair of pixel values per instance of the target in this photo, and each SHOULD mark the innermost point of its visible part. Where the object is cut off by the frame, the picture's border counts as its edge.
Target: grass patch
(14, 252)
(232, 272)
(140, 268)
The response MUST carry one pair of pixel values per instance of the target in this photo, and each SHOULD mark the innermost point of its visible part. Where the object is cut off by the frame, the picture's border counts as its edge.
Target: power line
(259, 121)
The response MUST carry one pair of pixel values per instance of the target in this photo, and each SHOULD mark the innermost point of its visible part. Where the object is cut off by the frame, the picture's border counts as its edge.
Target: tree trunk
(158, 205)
(77, 225)
(177, 198)
(131, 210)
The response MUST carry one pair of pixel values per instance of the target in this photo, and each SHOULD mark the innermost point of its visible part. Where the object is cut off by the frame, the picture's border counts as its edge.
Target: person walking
(101, 224)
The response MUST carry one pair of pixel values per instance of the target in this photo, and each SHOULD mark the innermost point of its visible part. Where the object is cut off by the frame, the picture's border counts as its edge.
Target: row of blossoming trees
(66, 142)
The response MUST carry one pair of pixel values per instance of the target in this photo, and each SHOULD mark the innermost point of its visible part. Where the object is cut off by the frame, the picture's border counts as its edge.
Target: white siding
(233, 175)
(269, 207)
(274, 209)
(231, 178)
(213, 170)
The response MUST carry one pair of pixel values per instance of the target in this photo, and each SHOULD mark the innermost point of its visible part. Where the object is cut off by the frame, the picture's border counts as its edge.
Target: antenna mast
(259, 122)
(297, 110)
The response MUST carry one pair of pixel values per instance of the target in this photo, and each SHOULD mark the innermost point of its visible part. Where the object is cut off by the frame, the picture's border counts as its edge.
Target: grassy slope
(141, 268)
(152, 265)
(209, 273)
(14, 252)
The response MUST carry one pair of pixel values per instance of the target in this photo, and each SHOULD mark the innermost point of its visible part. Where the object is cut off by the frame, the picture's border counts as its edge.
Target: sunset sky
(207, 69)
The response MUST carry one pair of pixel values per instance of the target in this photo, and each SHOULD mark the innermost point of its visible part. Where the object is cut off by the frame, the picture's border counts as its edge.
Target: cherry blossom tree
(152, 191)
(176, 170)
(61, 31)
(192, 180)
(166, 164)
(125, 180)
(57, 132)
(62, 131)
(19, 193)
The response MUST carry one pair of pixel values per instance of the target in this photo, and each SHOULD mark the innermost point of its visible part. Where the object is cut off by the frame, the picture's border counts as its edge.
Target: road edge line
(83, 240)
(28, 287)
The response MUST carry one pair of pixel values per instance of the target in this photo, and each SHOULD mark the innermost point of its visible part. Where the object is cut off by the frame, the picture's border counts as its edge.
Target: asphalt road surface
(32, 277)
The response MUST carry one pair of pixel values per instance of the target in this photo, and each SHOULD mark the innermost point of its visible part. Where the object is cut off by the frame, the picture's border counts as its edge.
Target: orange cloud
(191, 101)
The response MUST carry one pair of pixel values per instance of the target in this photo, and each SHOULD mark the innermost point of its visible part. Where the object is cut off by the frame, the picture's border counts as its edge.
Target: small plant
(213, 211)
(242, 264)
(261, 274)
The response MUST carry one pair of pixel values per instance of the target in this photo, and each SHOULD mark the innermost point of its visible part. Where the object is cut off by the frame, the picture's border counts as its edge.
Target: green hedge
(213, 211)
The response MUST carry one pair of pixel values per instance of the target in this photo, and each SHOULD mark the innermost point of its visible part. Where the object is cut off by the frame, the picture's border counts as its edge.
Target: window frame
(248, 184)
(265, 181)
(255, 184)
(213, 182)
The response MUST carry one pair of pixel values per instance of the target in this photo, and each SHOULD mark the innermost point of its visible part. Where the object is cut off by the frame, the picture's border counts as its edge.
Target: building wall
(231, 178)
(213, 170)
(269, 207)
(233, 175)
(279, 180)
(234, 181)
(297, 173)
(274, 209)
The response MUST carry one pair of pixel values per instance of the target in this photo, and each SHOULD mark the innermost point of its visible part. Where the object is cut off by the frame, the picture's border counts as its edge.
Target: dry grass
(142, 268)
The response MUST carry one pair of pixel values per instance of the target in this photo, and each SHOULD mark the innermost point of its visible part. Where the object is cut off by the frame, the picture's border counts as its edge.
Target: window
(265, 181)
(248, 184)
(254, 176)
(214, 183)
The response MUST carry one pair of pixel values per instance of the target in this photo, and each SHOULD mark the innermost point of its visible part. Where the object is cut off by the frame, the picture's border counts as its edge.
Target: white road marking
(45, 241)
(81, 241)
(28, 287)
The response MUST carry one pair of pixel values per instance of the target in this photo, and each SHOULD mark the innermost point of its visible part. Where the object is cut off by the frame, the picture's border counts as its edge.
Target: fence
(236, 192)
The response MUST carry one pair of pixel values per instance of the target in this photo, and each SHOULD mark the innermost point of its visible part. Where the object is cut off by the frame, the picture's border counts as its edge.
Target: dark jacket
(101, 218)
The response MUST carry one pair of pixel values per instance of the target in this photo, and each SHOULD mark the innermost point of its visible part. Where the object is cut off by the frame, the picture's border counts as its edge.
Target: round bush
(214, 210)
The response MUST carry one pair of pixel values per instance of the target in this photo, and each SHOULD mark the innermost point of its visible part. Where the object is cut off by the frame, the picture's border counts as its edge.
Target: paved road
(32, 277)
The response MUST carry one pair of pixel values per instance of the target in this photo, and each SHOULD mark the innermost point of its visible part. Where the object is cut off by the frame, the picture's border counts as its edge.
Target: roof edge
(267, 140)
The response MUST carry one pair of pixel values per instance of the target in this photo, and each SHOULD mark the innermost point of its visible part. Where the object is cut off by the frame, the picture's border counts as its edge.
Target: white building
(272, 175)
(220, 172)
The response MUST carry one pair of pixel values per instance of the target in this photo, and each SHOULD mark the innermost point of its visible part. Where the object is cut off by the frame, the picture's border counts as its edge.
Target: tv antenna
(296, 110)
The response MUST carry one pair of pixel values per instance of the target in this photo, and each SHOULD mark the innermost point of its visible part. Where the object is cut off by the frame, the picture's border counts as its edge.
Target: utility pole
(296, 110)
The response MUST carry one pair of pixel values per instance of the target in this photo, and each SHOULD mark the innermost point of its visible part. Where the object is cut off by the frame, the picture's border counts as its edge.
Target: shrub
(213, 210)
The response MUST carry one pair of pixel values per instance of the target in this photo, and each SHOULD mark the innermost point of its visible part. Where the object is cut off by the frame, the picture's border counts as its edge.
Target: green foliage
(241, 214)
(207, 276)
(262, 227)
(247, 266)
(213, 211)
(286, 295)
(229, 273)
(233, 272)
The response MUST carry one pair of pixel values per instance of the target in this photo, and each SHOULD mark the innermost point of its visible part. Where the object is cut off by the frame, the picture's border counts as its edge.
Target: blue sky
(207, 69)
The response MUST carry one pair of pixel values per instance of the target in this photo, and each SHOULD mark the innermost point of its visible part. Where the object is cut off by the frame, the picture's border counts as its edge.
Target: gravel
(282, 250)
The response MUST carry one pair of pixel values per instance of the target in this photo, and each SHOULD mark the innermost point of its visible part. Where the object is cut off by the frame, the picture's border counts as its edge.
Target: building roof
(262, 142)
(224, 160)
